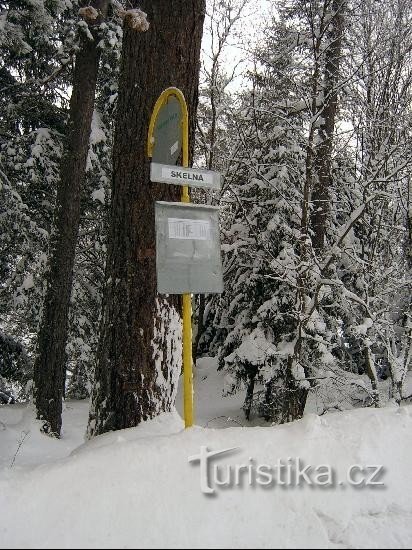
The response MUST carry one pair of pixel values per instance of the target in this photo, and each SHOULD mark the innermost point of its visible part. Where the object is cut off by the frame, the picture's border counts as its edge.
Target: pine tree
(140, 348)
(50, 365)
(36, 51)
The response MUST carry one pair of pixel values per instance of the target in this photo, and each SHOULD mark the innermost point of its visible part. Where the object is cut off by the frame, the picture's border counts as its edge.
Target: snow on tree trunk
(139, 355)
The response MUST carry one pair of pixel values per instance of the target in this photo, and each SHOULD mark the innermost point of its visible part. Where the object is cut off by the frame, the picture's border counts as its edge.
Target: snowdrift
(136, 488)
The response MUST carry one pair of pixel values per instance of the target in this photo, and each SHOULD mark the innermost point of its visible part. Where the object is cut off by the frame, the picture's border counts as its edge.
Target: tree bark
(409, 224)
(139, 357)
(50, 363)
(323, 162)
(250, 393)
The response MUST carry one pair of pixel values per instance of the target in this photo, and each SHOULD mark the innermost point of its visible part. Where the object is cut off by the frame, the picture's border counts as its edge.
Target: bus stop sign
(168, 132)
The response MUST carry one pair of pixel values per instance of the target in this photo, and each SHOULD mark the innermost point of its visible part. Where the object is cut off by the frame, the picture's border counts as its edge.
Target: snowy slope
(20, 434)
(136, 488)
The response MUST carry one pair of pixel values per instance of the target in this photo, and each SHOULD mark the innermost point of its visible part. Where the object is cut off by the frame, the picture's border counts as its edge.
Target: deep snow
(135, 488)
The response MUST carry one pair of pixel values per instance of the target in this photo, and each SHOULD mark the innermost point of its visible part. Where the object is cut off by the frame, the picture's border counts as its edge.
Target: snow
(364, 327)
(3, 21)
(99, 195)
(28, 282)
(212, 410)
(82, 25)
(97, 134)
(167, 347)
(254, 349)
(136, 489)
(18, 420)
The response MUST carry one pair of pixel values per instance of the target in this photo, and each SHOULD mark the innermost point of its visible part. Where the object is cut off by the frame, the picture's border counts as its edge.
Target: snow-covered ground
(137, 489)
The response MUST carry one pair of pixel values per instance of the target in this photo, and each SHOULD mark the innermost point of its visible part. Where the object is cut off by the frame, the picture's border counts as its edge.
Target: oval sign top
(166, 129)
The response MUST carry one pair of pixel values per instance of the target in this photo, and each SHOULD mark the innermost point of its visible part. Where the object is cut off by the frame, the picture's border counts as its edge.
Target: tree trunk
(285, 397)
(409, 225)
(139, 357)
(250, 392)
(320, 193)
(372, 374)
(50, 364)
(201, 298)
(200, 324)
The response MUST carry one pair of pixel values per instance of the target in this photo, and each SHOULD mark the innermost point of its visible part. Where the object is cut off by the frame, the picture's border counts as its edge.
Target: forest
(304, 108)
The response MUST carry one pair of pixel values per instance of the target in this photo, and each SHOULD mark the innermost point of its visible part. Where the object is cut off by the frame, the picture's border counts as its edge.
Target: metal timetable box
(188, 256)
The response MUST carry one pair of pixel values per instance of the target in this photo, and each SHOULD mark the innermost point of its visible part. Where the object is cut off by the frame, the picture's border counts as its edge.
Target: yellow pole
(187, 300)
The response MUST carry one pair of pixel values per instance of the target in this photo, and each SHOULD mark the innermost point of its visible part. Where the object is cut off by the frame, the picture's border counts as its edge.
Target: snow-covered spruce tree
(257, 308)
(13, 369)
(32, 64)
(30, 126)
(139, 356)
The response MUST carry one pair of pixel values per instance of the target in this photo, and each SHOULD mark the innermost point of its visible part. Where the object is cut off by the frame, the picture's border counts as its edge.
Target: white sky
(250, 28)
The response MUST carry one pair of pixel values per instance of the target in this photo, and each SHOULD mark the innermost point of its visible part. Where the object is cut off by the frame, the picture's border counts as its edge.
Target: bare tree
(222, 22)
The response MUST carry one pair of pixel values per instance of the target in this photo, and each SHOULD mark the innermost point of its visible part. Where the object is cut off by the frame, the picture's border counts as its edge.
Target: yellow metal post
(187, 300)
(187, 303)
